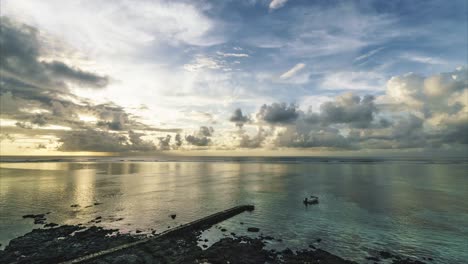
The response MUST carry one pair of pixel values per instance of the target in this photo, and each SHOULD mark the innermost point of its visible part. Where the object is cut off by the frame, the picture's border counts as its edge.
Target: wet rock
(385, 255)
(38, 218)
(373, 258)
(125, 259)
(253, 229)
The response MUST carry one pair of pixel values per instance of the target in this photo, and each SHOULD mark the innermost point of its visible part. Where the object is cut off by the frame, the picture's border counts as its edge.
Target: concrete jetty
(200, 224)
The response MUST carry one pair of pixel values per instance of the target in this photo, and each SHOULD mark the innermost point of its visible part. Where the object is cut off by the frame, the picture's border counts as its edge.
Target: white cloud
(275, 4)
(351, 80)
(293, 71)
(422, 59)
(368, 54)
(103, 27)
(237, 55)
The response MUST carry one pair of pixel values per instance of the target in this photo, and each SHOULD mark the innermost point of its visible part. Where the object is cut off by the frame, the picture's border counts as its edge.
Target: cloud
(36, 96)
(350, 109)
(368, 54)
(101, 141)
(61, 70)
(275, 4)
(147, 22)
(354, 80)
(235, 55)
(22, 68)
(255, 141)
(304, 136)
(293, 71)
(277, 113)
(201, 138)
(238, 118)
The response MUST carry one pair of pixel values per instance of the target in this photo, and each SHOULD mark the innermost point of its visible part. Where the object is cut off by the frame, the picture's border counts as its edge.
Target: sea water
(414, 208)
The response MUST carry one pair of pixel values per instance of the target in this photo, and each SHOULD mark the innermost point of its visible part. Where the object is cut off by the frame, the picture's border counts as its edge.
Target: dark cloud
(165, 142)
(239, 118)
(349, 109)
(201, 138)
(278, 113)
(255, 141)
(92, 140)
(178, 141)
(22, 70)
(86, 79)
(102, 141)
(304, 136)
(29, 83)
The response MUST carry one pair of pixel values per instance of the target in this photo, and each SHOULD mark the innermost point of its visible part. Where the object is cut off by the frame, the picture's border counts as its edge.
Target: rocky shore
(63, 243)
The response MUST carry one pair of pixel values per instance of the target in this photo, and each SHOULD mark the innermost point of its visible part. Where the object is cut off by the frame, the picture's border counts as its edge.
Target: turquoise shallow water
(415, 208)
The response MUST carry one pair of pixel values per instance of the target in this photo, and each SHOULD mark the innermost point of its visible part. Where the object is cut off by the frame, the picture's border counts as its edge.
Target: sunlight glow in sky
(276, 76)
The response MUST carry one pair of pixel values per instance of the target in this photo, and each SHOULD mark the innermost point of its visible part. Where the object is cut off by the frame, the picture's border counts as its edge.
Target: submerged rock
(253, 229)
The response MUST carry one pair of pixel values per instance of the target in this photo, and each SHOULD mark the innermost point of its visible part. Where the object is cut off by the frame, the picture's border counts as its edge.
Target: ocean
(415, 208)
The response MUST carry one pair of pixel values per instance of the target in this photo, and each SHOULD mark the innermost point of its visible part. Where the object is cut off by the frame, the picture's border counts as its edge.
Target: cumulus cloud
(239, 118)
(275, 4)
(201, 138)
(351, 109)
(278, 113)
(415, 112)
(255, 141)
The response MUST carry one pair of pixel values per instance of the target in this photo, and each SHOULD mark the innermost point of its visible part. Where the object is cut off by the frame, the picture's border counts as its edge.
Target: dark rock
(74, 205)
(223, 229)
(97, 218)
(233, 234)
(125, 259)
(138, 231)
(319, 240)
(97, 203)
(287, 251)
(173, 216)
(385, 255)
(51, 225)
(206, 240)
(312, 246)
(373, 258)
(253, 229)
(241, 223)
(205, 246)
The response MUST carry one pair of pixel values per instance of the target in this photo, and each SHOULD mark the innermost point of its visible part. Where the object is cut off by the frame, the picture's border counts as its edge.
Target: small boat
(311, 200)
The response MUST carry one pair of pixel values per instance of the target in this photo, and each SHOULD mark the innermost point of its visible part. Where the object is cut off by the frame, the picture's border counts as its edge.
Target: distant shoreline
(266, 159)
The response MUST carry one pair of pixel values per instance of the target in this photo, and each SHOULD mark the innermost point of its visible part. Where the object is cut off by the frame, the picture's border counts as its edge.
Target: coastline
(57, 244)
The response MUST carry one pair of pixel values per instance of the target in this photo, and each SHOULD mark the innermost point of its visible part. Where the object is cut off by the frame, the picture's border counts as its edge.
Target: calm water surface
(411, 208)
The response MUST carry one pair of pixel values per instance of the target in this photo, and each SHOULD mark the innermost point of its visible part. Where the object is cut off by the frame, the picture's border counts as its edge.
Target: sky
(244, 76)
